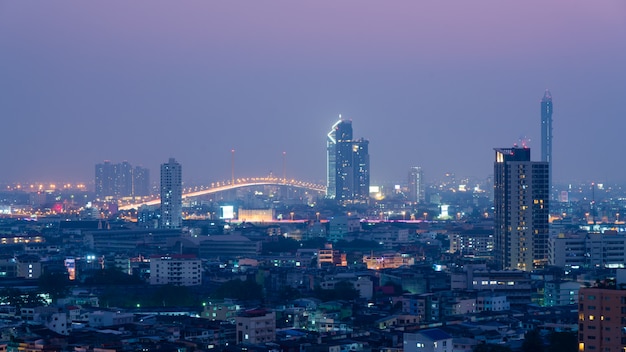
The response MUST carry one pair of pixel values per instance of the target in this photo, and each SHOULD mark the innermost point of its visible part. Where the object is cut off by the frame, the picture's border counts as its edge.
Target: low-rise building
(429, 340)
(560, 293)
(256, 326)
(590, 250)
(102, 318)
(179, 269)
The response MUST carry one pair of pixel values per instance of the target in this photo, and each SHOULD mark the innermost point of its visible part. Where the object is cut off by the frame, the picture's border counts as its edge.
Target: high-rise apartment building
(601, 319)
(416, 185)
(521, 209)
(124, 179)
(121, 180)
(141, 181)
(348, 165)
(171, 195)
(546, 130)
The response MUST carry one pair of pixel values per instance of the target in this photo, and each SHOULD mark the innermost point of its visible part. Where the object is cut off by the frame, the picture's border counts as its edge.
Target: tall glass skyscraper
(546, 130)
(171, 195)
(521, 209)
(348, 166)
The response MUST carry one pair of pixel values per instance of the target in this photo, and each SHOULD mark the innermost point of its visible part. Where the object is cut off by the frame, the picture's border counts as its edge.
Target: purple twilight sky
(430, 83)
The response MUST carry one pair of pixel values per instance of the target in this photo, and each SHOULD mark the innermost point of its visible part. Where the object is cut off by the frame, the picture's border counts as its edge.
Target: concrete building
(228, 246)
(223, 310)
(416, 185)
(601, 319)
(588, 250)
(429, 340)
(426, 306)
(330, 257)
(178, 269)
(129, 241)
(478, 243)
(28, 266)
(514, 284)
(490, 302)
(363, 284)
(109, 318)
(121, 180)
(521, 209)
(256, 326)
(560, 293)
(388, 261)
(171, 195)
(340, 226)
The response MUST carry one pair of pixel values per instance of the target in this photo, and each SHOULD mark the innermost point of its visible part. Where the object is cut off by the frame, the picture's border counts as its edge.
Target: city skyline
(427, 85)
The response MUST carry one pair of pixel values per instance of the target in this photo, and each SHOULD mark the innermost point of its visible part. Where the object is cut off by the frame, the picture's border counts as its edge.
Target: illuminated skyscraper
(521, 209)
(348, 166)
(546, 130)
(171, 195)
(416, 185)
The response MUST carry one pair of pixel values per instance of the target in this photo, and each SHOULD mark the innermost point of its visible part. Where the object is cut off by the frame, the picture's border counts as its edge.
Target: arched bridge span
(239, 183)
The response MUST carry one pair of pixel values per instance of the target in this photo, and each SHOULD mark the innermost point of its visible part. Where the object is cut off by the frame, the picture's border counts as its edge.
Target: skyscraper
(348, 168)
(416, 185)
(546, 130)
(121, 180)
(521, 209)
(141, 181)
(171, 195)
(105, 179)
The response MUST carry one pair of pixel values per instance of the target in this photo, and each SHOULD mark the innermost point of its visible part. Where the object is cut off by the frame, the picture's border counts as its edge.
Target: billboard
(227, 212)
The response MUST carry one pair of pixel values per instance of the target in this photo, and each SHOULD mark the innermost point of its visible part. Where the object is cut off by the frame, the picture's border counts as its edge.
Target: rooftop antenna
(524, 141)
(593, 201)
(284, 167)
(232, 165)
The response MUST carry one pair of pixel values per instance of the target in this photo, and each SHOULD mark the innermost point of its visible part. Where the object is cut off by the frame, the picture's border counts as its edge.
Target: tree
(55, 283)
(173, 296)
(563, 342)
(111, 276)
(533, 342)
(289, 293)
(344, 290)
(237, 289)
(281, 245)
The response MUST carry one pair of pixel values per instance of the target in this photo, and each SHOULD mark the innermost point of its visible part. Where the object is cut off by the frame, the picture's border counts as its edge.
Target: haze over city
(432, 84)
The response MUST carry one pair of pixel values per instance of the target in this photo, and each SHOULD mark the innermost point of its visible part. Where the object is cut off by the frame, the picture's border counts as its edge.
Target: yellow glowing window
(591, 317)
